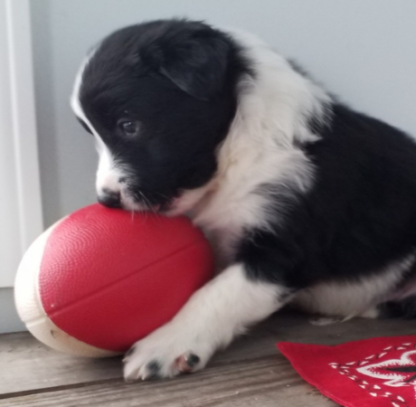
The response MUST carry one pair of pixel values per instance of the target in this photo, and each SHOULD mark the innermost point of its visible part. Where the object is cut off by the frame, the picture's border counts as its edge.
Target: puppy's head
(159, 98)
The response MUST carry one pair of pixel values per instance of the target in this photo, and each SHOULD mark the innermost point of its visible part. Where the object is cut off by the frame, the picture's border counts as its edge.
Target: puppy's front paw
(167, 352)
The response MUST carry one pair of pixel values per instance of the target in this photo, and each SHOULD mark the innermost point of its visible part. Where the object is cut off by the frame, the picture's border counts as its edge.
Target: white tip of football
(30, 309)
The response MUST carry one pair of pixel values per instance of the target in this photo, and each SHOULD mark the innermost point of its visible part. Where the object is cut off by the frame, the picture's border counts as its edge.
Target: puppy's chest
(224, 230)
(225, 216)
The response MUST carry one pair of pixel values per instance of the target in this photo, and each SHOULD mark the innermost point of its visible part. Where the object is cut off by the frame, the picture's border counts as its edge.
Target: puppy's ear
(195, 61)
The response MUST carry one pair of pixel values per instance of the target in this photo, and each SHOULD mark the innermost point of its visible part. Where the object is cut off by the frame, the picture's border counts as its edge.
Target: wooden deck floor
(250, 373)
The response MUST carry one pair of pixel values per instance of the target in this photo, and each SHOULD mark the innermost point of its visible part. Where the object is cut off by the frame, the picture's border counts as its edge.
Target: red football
(101, 279)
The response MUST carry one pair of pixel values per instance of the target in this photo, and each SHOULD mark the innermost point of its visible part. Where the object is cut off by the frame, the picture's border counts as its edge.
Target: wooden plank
(265, 382)
(27, 366)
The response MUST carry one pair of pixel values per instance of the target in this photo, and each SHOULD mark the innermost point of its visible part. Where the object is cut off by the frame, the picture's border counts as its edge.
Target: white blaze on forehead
(108, 174)
(75, 102)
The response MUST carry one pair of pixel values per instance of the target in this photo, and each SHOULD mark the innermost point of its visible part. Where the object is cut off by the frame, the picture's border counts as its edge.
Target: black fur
(359, 216)
(178, 80)
(405, 308)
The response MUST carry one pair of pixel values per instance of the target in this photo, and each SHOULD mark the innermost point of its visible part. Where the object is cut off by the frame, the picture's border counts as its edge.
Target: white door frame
(21, 129)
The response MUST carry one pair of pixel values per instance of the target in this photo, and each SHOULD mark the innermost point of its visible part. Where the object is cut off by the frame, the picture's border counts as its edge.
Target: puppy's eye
(129, 127)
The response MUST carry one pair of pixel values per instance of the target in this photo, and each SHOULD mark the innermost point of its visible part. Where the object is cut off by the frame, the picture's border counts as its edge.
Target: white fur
(260, 149)
(350, 299)
(210, 320)
(409, 289)
(271, 115)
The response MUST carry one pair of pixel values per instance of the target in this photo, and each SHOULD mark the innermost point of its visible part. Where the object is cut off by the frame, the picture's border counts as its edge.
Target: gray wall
(9, 320)
(362, 50)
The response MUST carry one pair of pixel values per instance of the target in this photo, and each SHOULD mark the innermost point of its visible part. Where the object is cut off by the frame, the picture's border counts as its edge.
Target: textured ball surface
(101, 279)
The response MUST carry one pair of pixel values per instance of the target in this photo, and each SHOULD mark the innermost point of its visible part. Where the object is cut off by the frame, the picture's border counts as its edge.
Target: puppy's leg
(213, 316)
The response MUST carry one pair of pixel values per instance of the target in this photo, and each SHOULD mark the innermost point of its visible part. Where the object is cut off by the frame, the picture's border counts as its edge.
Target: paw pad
(186, 363)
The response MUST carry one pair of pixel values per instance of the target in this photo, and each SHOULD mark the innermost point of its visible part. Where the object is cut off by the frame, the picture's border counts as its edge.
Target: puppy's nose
(109, 198)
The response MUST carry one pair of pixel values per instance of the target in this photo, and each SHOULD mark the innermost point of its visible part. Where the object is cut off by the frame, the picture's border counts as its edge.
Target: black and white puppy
(308, 201)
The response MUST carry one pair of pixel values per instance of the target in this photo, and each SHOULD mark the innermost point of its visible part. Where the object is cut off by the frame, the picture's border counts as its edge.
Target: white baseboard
(9, 320)
(21, 212)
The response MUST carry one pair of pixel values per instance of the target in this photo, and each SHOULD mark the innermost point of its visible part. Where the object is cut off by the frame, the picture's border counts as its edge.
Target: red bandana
(378, 372)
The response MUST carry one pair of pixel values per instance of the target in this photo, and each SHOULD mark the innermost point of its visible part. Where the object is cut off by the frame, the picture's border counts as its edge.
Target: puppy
(309, 202)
